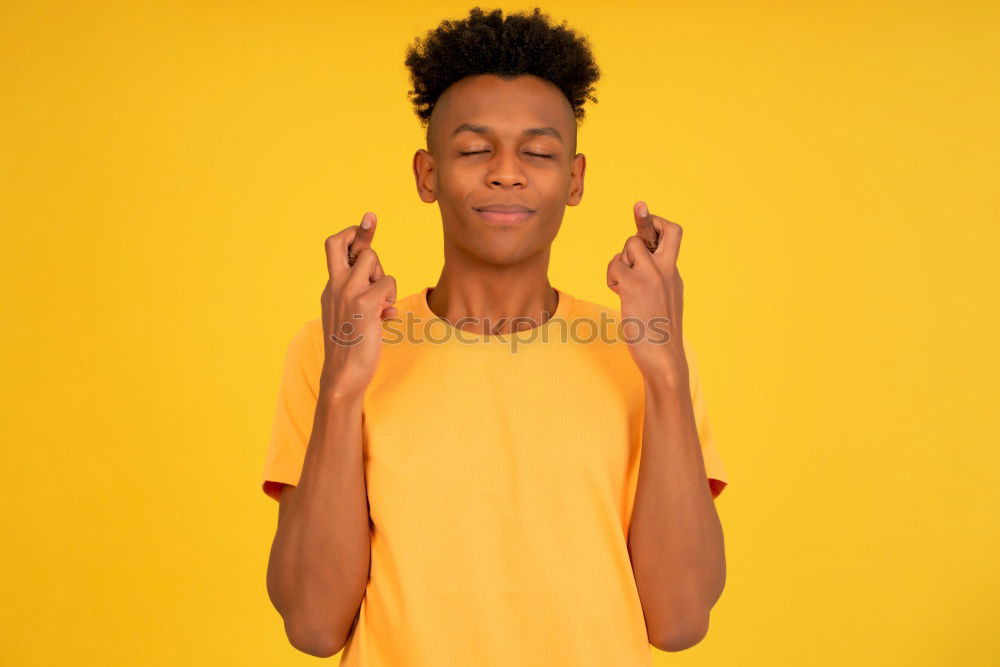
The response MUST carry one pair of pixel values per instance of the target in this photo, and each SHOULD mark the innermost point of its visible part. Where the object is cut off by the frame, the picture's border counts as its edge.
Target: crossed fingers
(658, 235)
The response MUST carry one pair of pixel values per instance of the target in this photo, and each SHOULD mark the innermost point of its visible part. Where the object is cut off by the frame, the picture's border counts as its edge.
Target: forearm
(675, 536)
(321, 553)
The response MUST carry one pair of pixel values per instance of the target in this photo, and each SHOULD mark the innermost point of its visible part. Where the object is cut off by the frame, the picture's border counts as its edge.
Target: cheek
(456, 183)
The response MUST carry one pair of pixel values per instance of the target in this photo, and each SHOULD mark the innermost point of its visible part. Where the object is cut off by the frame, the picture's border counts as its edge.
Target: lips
(504, 208)
(504, 214)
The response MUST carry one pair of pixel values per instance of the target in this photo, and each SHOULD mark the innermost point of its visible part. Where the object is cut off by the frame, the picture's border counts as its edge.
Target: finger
(626, 255)
(383, 293)
(616, 272)
(336, 261)
(638, 254)
(384, 288)
(646, 229)
(377, 271)
(670, 241)
(634, 253)
(364, 233)
(362, 273)
(336, 251)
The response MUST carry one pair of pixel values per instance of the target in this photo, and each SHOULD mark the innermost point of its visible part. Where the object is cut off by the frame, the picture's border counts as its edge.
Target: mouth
(504, 215)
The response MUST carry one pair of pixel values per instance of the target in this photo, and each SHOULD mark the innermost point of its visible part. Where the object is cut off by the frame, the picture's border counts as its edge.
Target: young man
(477, 474)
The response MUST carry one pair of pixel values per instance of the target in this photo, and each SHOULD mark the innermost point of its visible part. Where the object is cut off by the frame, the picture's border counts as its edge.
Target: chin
(504, 254)
(498, 246)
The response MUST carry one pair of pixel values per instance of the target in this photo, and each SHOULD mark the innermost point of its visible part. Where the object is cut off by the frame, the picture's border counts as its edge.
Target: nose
(505, 171)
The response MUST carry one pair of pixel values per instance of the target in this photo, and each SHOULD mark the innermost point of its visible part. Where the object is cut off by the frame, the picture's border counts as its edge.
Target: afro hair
(505, 46)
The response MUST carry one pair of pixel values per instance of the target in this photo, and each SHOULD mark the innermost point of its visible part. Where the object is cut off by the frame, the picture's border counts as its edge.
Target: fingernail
(366, 223)
(643, 211)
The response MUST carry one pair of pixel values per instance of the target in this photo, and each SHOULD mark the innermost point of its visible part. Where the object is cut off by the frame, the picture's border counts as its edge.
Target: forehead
(506, 105)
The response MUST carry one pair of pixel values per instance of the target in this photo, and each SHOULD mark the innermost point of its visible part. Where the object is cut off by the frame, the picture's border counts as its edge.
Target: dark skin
(498, 269)
(502, 269)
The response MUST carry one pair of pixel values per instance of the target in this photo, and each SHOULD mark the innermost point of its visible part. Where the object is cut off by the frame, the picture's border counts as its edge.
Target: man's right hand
(357, 298)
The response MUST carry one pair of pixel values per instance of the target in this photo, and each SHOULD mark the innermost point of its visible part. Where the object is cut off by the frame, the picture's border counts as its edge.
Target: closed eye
(484, 151)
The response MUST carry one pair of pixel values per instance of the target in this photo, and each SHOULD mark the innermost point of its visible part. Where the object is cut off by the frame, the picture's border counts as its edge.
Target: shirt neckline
(563, 308)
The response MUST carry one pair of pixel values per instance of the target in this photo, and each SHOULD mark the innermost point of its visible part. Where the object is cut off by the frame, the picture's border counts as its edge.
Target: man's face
(493, 143)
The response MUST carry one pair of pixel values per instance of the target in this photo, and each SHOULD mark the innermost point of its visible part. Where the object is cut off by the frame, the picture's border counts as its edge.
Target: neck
(498, 298)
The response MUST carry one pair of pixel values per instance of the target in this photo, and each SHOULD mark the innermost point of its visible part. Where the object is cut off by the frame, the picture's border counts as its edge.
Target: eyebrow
(529, 132)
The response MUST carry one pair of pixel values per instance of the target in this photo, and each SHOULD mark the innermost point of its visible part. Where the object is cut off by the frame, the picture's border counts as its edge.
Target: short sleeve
(298, 392)
(718, 478)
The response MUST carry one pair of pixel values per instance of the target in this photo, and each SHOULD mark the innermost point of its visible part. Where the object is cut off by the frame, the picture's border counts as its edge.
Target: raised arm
(319, 562)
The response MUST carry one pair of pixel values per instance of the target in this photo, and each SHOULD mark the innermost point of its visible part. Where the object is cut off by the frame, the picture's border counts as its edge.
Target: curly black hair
(506, 46)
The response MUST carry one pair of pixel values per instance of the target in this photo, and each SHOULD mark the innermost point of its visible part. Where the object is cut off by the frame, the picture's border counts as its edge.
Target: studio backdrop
(169, 171)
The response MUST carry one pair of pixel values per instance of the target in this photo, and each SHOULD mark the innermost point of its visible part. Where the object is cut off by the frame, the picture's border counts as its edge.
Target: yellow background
(168, 172)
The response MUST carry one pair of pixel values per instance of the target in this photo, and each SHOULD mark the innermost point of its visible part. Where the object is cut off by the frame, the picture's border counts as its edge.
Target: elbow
(312, 642)
(305, 633)
(681, 636)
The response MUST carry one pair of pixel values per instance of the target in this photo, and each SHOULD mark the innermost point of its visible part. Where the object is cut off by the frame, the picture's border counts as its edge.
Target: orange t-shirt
(501, 473)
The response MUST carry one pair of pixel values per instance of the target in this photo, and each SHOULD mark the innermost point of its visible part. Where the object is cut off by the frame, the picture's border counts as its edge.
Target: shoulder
(608, 319)
(584, 307)
(306, 345)
(411, 303)
(594, 327)
(592, 318)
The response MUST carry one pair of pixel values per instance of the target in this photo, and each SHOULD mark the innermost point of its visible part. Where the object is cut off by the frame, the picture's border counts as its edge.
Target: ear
(424, 175)
(577, 169)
